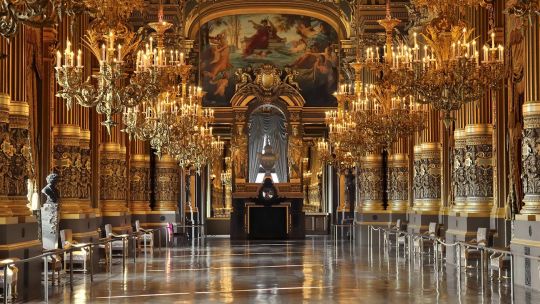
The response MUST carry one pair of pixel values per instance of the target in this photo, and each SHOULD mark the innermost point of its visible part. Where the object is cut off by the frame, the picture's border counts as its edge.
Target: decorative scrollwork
(531, 161)
(479, 173)
(371, 184)
(428, 178)
(113, 179)
(398, 183)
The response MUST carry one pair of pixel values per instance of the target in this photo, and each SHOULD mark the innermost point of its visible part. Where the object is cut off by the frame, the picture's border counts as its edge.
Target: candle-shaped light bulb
(79, 58)
(111, 40)
(58, 59)
(492, 40)
(103, 52)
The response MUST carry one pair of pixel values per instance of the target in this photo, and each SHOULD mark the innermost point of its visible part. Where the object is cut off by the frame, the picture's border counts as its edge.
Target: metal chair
(116, 245)
(432, 233)
(501, 263)
(144, 237)
(401, 238)
(80, 256)
(11, 280)
(473, 254)
(55, 265)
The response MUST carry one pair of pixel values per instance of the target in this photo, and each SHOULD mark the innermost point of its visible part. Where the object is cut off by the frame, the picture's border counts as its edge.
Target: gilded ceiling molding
(326, 12)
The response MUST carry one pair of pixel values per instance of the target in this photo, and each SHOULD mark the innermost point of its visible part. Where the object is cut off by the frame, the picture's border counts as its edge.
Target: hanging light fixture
(378, 108)
(451, 68)
(110, 42)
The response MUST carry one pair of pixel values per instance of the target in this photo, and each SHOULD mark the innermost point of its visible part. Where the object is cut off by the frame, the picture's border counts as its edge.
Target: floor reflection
(317, 270)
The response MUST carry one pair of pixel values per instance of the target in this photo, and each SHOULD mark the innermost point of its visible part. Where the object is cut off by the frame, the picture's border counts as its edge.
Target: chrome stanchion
(512, 277)
(370, 235)
(436, 255)
(46, 279)
(71, 270)
(159, 239)
(90, 248)
(459, 262)
(6, 293)
(134, 238)
(124, 253)
(482, 269)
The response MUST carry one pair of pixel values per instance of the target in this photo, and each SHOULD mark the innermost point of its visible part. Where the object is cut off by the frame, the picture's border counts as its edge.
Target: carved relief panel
(112, 179)
(530, 158)
(480, 171)
(371, 184)
(18, 167)
(68, 165)
(139, 183)
(398, 183)
(167, 181)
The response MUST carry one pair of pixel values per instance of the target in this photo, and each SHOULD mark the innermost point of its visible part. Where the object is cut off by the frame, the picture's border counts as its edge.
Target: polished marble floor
(316, 270)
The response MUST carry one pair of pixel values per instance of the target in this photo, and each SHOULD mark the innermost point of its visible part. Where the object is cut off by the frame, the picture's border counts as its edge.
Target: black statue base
(257, 215)
(267, 223)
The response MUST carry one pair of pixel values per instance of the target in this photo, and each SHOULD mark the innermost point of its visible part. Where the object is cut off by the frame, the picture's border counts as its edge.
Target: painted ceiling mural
(244, 42)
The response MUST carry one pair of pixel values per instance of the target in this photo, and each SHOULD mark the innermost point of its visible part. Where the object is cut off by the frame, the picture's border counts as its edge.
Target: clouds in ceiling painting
(302, 43)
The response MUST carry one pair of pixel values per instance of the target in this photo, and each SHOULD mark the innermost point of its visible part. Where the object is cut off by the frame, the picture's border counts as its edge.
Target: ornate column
(525, 238)
(530, 157)
(397, 180)
(5, 154)
(370, 209)
(113, 180)
(474, 173)
(479, 168)
(18, 79)
(166, 193)
(397, 177)
(427, 176)
(167, 189)
(139, 181)
(371, 184)
(459, 181)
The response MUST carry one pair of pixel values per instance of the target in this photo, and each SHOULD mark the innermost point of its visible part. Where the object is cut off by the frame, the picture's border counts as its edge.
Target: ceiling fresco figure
(302, 43)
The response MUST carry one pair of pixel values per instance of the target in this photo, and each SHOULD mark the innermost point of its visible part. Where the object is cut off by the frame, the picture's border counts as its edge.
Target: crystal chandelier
(449, 70)
(378, 109)
(174, 122)
(164, 73)
(112, 89)
(386, 117)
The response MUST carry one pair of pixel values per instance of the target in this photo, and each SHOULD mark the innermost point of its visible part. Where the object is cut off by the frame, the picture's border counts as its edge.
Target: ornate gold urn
(268, 159)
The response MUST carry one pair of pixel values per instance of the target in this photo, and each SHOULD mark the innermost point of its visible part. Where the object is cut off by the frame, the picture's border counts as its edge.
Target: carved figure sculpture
(242, 78)
(295, 153)
(239, 154)
(290, 78)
